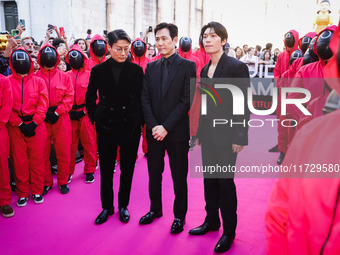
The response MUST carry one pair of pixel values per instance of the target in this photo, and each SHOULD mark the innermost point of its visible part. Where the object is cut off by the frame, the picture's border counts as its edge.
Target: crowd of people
(104, 91)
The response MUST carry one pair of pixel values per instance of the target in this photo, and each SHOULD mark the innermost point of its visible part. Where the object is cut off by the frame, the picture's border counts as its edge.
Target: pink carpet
(64, 224)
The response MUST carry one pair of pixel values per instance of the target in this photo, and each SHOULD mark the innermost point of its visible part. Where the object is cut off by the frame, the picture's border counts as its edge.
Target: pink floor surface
(64, 224)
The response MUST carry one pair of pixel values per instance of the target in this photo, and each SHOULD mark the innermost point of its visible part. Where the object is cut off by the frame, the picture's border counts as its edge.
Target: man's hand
(159, 132)
(237, 148)
(20, 28)
(12, 44)
(48, 33)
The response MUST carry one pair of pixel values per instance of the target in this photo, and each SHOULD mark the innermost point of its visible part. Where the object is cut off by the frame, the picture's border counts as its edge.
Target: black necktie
(165, 72)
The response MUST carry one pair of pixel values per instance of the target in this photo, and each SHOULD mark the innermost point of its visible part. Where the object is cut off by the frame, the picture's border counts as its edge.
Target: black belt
(52, 109)
(26, 118)
(76, 107)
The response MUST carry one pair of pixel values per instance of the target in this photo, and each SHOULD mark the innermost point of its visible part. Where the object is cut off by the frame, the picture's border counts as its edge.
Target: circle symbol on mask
(76, 59)
(322, 45)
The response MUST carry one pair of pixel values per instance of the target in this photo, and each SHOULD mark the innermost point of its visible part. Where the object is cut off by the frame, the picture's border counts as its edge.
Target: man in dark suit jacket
(118, 119)
(166, 102)
(220, 144)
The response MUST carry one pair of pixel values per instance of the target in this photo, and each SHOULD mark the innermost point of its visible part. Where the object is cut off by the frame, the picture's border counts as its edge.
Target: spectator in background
(245, 48)
(35, 63)
(251, 60)
(82, 43)
(267, 59)
(60, 45)
(62, 66)
(269, 47)
(239, 53)
(276, 54)
(27, 43)
(4, 59)
(229, 51)
(151, 51)
(257, 50)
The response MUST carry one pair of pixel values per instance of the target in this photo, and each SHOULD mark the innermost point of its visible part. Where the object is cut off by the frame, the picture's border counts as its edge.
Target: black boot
(274, 149)
(281, 158)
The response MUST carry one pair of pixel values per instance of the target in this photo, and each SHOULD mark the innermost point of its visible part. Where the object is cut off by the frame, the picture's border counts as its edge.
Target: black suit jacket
(171, 111)
(223, 136)
(119, 106)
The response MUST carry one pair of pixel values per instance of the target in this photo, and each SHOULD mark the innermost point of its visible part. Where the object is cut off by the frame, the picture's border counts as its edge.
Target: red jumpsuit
(310, 77)
(82, 129)
(6, 104)
(282, 66)
(295, 223)
(194, 112)
(93, 61)
(60, 93)
(202, 56)
(30, 100)
(142, 62)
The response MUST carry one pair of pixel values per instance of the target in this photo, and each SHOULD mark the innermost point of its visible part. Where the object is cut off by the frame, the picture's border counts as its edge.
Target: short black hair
(258, 47)
(57, 42)
(173, 29)
(219, 29)
(118, 34)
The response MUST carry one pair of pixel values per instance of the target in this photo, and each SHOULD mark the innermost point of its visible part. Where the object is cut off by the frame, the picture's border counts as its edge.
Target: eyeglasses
(120, 50)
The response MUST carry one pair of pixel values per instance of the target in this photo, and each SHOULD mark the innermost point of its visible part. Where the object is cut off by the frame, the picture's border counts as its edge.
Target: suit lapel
(174, 68)
(220, 66)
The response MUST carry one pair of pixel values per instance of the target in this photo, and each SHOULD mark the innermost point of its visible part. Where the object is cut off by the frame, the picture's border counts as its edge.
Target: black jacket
(171, 111)
(119, 106)
(235, 73)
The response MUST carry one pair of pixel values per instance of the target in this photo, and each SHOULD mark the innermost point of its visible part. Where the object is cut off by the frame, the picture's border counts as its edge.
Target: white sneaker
(22, 201)
(38, 199)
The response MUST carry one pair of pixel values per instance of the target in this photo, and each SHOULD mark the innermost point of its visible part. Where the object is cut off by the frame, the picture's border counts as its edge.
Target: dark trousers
(220, 189)
(178, 159)
(107, 147)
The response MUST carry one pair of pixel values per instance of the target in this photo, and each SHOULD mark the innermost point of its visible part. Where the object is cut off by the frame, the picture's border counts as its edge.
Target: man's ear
(224, 42)
(175, 40)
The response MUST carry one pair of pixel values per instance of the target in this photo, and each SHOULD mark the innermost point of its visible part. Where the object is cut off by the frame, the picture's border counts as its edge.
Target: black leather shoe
(203, 229)
(177, 226)
(124, 215)
(149, 217)
(102, 217)
(281, 158)
(224, 243)
(274, 149)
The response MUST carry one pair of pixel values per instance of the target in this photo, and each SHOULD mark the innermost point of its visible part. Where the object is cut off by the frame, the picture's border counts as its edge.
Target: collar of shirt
(170, 59)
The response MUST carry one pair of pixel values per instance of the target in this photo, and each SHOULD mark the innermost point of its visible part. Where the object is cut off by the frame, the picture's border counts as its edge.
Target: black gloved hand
(30, 129)
(51, 117)
(74, 115)
(23, 129)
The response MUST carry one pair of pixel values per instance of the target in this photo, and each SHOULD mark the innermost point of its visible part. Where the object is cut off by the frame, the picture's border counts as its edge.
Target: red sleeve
(67, 101)
(6, 102)
(276, 219)
(277, 69)
(42, 105)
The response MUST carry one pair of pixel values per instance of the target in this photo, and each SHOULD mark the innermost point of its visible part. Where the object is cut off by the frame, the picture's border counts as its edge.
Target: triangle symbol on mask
(48, 50)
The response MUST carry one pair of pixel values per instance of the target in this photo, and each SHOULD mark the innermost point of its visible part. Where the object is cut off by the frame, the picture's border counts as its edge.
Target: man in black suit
(166, 102)
(220, 144)
(118, 119)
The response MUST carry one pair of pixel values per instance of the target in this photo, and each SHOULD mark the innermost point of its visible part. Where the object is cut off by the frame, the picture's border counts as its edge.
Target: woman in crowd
(239, 52)
(82, 43)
